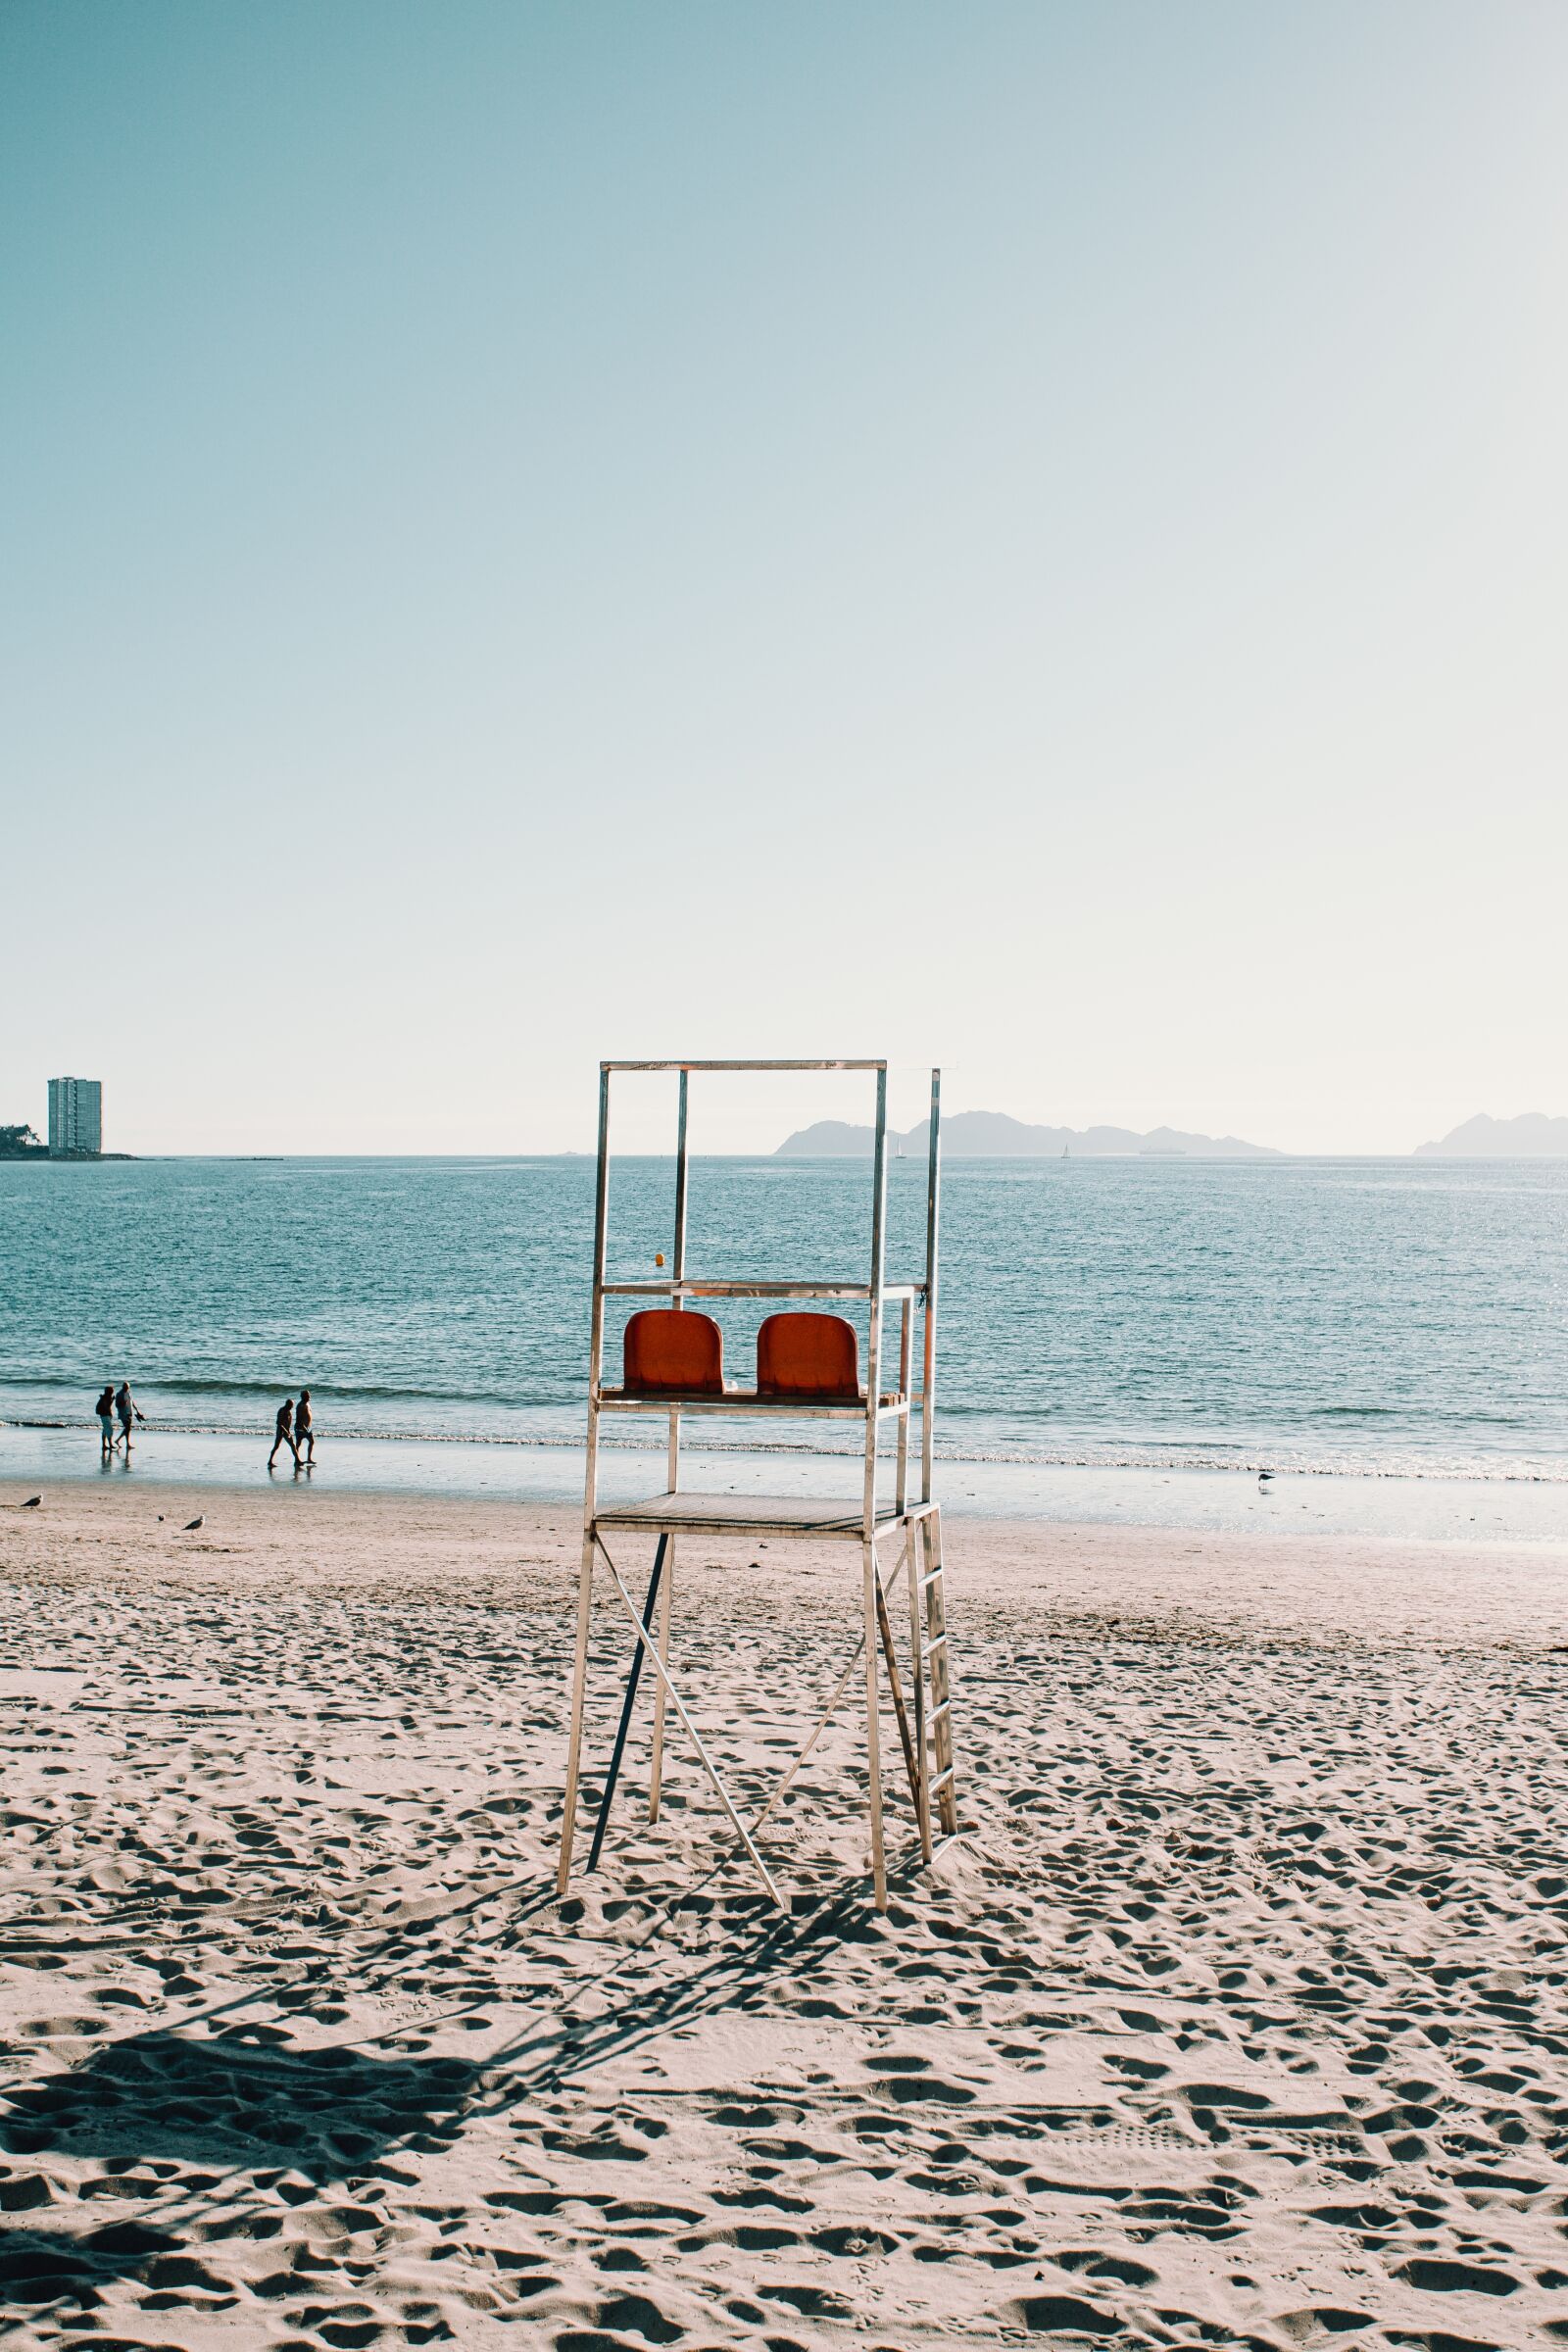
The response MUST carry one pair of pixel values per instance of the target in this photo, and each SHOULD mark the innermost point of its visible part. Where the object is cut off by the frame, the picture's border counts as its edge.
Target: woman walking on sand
(104, 1411)
(129, 1409)
(304, 1429)
(285, 1433)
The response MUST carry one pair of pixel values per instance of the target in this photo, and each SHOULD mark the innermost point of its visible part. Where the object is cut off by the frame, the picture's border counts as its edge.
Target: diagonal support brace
(648, 1646)
(633, 1675)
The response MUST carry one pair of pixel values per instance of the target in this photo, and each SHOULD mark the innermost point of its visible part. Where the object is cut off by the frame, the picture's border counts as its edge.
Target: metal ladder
(933, 1720)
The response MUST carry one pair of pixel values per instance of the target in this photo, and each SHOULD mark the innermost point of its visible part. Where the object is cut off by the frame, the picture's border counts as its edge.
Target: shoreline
(1429, 1509)
(1243, 1456)
(1268, 1583)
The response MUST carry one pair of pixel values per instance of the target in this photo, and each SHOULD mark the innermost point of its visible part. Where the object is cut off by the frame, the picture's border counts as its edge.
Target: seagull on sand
(191, 1525)
(1266, 1478)
(33, 1502)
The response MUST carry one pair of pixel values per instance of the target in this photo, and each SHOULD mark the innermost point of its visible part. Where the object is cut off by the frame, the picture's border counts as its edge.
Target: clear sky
(1028, 536)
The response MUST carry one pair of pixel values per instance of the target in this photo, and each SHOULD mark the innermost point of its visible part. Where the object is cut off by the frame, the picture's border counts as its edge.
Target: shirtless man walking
(285, 1433)
(304, 1429)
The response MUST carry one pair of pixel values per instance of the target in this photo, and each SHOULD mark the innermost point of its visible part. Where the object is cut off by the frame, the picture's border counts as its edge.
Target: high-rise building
(75, 1116)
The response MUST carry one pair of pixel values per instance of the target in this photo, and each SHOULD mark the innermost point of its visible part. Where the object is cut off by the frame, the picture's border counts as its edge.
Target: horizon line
(1259, 1155)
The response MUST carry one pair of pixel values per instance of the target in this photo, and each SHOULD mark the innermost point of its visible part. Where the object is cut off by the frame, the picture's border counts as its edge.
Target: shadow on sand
(313, 2116)
(262, 2112)
(43, 2266)
(230, 2102)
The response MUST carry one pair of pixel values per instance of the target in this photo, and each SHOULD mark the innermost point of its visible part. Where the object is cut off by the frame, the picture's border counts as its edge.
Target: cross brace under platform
(924, 1719)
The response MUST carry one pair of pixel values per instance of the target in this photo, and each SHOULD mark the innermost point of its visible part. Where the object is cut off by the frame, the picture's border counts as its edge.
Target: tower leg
(634, 1675)
(873, 1746)
(895, 1688)
(579, 1684)
(656, 1771)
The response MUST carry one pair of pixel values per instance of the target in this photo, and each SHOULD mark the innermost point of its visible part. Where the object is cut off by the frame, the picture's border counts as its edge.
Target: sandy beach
(1235, 2016)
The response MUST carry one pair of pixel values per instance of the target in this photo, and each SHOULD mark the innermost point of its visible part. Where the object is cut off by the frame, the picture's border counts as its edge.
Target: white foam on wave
(1091, 1455)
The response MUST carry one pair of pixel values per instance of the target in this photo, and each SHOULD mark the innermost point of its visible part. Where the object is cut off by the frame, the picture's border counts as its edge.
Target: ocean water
(1388, 1318)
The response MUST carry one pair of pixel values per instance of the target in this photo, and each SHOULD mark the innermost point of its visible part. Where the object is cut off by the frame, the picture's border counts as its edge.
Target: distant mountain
(991, 1135)
(1531, 1136)
(829, 1139)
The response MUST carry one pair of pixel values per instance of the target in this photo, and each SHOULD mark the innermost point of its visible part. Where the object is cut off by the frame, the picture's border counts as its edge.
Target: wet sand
(1235, 2016)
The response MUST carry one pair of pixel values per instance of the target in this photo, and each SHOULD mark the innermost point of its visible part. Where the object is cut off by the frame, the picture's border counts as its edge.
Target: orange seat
(670, 1352)
(815, 1357)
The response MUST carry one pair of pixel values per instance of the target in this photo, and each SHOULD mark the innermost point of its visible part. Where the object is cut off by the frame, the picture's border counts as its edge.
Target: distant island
(1531, 1136)
(991, 1135)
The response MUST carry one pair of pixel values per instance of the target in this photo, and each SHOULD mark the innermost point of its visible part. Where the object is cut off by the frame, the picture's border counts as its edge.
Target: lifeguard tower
(808, 1366)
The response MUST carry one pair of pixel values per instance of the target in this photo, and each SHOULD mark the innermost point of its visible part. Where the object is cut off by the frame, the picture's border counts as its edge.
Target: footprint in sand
(855, 2242)
(1096, 2263)
(1321, 2323)
(25, 2193)
(1435, 2277)
(1067, 2315)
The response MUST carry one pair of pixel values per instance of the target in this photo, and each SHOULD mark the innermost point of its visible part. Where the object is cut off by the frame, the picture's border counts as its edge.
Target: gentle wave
(1081, 1458)
(327, 1396)
(362, 1392)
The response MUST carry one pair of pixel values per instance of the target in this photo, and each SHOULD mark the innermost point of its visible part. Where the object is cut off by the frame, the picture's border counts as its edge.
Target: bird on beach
(191, 1525)
(1266, 1478)
(33, 1502)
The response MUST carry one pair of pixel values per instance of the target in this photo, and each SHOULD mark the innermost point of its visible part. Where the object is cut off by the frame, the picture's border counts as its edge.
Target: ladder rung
(929, 1649)
(935, 1578)
(940, 1781)
(943, 1707)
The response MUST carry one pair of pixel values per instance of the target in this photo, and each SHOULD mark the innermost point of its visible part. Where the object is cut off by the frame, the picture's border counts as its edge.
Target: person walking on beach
(129, 1411)
(304, 1429)
(285, 1433)
(104, 1411)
